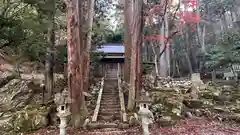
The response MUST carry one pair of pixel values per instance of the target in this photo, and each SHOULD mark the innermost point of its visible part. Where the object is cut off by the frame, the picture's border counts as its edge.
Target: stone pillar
(145, 115)
(196, 80)
(63, 122)
(63, 107)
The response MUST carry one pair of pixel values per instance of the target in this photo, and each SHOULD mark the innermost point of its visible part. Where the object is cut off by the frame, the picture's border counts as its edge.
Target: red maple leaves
(191, 3)
(191, 18)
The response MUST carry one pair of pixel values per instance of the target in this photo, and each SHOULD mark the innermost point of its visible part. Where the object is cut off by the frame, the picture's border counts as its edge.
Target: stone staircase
(110, 107)
(109, 112)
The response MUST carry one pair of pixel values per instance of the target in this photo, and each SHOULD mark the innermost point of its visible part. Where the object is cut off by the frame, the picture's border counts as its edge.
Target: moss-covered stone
(193, 103)
(28, 119)
(167, 103)
(166, 121)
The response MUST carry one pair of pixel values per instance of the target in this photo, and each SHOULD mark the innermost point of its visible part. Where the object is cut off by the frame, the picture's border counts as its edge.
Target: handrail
(95, 114)
(121, 97)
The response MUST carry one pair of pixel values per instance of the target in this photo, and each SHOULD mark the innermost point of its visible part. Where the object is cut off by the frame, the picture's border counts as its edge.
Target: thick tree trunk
(139, 51)
(201, 33)
(128, 12)
(75, 80)
(49, 54)
(163, 61)
(137, 4)
(88, 44)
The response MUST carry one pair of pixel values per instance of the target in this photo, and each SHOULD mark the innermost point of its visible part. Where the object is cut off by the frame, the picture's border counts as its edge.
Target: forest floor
(196, 126)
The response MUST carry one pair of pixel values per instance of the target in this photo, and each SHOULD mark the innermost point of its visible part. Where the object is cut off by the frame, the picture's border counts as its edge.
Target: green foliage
(24, 26)
(12, 32)
(95, 59)
(225, 52)
(147, 68)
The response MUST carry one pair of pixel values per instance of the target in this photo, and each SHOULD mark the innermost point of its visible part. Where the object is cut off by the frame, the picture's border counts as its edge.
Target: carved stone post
(145, 115)
(49, 73)
(63, 107)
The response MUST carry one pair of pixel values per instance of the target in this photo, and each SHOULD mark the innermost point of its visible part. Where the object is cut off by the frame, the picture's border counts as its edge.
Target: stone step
(110, 97)
(110, 94)
(116, 132)
(109, 128)
(115, 107)
(110, 100)
(109, 104)
(102, 125)
(110, 110)
(105, 113)
(109, 117)
(112, 103)
(110, 89)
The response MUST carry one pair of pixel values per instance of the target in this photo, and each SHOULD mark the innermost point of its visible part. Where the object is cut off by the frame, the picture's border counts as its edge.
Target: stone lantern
(63, 102)
(145, 115)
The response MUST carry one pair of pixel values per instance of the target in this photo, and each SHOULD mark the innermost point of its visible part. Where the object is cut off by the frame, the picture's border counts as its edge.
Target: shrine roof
(111, 48)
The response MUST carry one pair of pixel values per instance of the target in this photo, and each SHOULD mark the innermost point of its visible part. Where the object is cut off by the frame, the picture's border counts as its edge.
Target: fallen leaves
(197, 126)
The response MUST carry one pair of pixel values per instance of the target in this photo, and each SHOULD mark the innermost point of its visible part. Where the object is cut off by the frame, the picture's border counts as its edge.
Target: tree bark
(139, 51)
(162, 59)
(75, 80)
(128, 12)
(163, 64)
(88, 44)
(155, 60)
(49, 63)
(167, 53)
(189, 63)
(136, 33)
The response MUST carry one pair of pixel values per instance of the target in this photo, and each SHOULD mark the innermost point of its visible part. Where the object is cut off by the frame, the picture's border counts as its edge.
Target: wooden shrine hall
(112, 59)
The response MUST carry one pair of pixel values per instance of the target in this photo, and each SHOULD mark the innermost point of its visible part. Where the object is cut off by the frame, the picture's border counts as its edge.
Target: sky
(112, 13)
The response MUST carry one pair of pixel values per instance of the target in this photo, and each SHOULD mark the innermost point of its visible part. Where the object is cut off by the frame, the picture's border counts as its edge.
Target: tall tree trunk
(88, 44)
(189, 63)
(75, 80)
(136, 33)
(139, 51)
(49, 55)
(162, 59)
(201, 36)
(174, 63)
(155, 60)
(128, 12)
(167, 52)
(201, 33)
